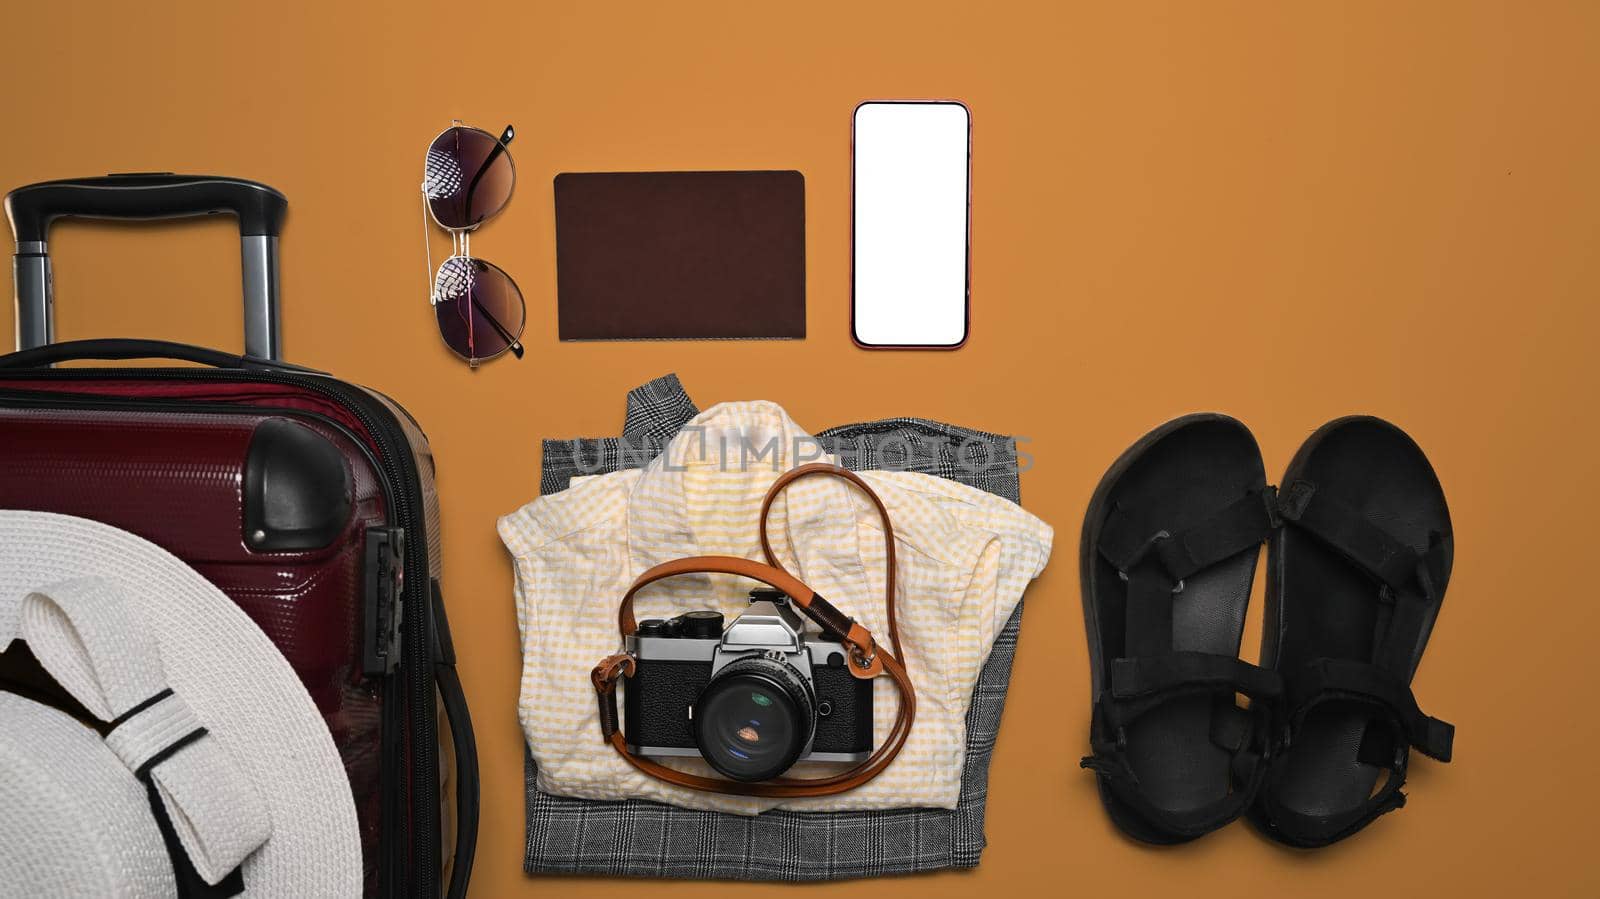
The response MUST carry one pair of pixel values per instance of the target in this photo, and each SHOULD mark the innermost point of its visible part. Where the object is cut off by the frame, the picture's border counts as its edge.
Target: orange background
(1283, 212)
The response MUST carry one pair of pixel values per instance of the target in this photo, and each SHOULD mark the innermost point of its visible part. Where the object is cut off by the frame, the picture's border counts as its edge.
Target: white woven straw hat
(215, 770)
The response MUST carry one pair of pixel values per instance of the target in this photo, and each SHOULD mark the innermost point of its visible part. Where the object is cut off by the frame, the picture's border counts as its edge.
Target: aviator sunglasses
(467, 179)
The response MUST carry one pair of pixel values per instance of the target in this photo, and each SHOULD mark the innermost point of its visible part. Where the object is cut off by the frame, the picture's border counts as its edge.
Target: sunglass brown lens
(468, 177)
(479, 308)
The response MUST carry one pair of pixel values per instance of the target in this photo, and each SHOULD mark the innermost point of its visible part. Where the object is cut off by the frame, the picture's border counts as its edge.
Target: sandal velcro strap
(1409, 580)
(1111, 764)
(1139, 684)
(1383, 745)
(1324, 679)
(1314, 831)
(1237, 527)
(1156, 564)
(1400, 568)
(1234, 729)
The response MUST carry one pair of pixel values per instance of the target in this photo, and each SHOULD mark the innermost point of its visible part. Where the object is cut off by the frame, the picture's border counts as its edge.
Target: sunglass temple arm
(515, 345)
(506, 137)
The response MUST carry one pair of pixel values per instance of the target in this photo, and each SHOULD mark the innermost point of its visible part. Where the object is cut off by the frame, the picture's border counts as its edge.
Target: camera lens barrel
(754, 719)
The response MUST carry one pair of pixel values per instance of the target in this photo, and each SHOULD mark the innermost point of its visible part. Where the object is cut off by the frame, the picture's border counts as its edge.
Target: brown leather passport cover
(680, 255)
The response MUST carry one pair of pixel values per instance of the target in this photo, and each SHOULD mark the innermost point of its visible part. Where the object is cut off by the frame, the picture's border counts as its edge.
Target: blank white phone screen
(910, 224)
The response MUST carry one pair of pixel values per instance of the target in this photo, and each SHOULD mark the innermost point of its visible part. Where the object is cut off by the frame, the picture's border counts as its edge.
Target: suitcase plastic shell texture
(310, 502)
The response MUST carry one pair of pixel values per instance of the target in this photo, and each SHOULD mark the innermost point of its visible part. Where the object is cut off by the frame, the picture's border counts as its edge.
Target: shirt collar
(702, 495)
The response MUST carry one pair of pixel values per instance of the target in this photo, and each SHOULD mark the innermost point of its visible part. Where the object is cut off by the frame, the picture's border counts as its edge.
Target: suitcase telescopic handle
(259, 208)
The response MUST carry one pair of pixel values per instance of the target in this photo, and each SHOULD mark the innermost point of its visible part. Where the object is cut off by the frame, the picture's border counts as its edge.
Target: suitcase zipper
(396, 462)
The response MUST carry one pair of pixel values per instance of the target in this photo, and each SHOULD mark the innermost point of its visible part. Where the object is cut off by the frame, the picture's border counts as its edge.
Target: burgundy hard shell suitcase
(309, 501)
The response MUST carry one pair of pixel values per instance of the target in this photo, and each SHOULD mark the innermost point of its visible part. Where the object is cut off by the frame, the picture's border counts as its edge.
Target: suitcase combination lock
(385, 571)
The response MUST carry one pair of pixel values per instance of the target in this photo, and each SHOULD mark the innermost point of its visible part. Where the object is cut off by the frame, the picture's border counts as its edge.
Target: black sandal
(1355, 580)
(1168, 555)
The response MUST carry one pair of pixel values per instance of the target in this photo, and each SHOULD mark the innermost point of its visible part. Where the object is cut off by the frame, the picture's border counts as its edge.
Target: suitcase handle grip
(148, 196)
(124, 348)
(32, 209)
(465, 744)
(467, 786)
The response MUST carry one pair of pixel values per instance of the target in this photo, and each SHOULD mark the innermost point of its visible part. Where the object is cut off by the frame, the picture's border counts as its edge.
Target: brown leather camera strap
(866, 658)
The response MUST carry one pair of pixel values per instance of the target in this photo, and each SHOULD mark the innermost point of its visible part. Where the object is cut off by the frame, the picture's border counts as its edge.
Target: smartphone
(910, 224)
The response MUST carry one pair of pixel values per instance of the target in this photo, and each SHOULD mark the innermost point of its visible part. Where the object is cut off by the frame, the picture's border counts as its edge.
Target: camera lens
(754, 719)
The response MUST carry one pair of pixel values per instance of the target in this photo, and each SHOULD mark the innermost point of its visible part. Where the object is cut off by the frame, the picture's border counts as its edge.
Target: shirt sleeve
(547, 520)
(988, 548)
